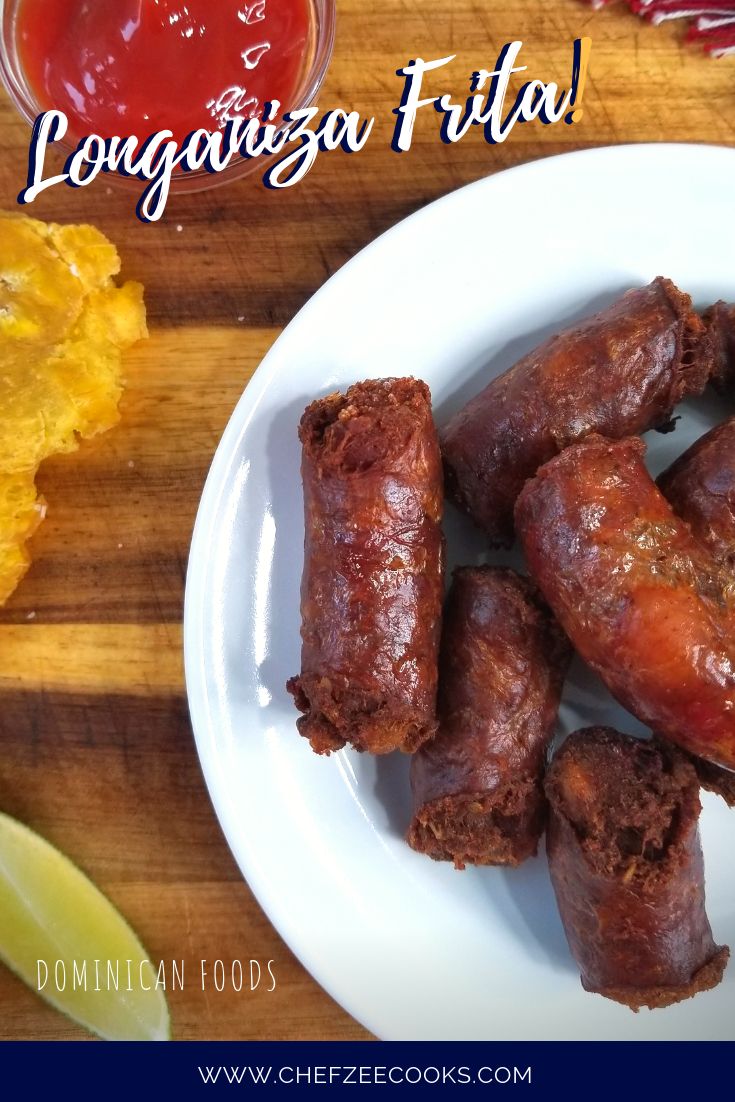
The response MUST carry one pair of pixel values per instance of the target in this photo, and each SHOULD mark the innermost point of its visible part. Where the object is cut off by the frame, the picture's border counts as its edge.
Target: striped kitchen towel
(711, 22)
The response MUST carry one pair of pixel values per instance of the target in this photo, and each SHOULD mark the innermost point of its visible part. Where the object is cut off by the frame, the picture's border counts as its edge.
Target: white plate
(411, 948)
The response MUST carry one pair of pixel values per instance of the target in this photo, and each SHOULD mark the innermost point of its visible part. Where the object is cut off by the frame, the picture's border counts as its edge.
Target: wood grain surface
(97, 751)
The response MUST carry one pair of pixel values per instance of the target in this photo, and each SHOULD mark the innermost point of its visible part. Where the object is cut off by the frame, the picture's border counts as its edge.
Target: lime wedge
(60, 935)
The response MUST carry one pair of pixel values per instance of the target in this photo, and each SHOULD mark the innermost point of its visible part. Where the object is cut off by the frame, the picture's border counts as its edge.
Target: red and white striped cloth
(712, 21)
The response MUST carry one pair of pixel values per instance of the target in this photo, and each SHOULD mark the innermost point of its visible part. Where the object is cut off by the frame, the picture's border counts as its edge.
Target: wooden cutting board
(97, 751)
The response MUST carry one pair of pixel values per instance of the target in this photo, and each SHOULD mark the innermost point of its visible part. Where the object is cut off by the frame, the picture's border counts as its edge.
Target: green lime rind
(50, 911)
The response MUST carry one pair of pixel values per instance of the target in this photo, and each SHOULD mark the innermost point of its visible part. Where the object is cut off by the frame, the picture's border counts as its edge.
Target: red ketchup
(122, 67)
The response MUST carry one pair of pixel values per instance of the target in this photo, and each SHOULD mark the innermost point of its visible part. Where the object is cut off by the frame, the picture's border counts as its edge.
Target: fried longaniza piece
(720, 320)
(700, 486)
(372, 584)
(626, 864)
(618, 373)
(640, 598)
(478, 785)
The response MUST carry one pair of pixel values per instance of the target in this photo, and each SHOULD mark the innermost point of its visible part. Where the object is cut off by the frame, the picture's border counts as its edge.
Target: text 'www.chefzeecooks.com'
(292, 141)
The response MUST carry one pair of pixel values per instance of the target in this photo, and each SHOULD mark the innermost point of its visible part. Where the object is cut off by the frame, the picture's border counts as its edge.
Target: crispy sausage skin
(626, 864)
(720, 321)
(641, 600)
(700, 486)
(618, 373)
(478, 785)
(372, 584)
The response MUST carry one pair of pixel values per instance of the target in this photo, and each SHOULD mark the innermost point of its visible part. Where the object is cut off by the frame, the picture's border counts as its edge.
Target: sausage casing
(372, 584)
(641, 600)
(478, 785)
(700, 486)
(720, 320)
(618, 373)
(626, 864)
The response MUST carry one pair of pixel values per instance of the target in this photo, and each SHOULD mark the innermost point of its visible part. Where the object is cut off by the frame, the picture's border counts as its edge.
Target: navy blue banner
(572, 1070)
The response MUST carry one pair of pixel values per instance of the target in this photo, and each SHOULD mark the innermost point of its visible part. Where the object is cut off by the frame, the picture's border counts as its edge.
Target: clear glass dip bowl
(316, 61)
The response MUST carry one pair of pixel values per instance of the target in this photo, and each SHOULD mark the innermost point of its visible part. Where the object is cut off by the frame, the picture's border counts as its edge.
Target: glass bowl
(316, 61)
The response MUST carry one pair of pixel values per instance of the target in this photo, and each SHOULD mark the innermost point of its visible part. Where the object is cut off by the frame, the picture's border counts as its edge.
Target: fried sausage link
(618, 373)
(372, 584)
(641, 600)
(626, 864)
(477, 786)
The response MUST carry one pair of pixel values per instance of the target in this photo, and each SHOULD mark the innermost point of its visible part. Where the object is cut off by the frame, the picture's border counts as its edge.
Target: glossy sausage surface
(626, 864)
(700, 486)
(372, 584)
(641, 600)
(618, 373)
(720, 320)
(477, 786)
